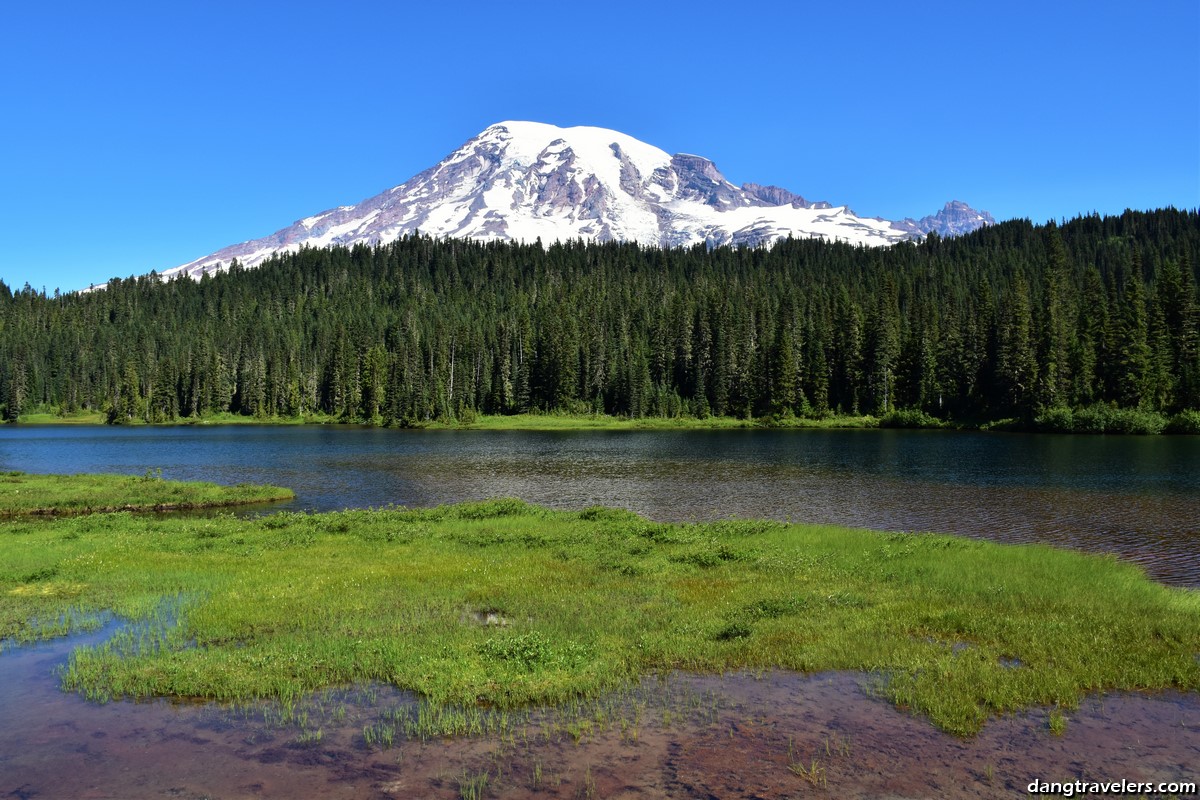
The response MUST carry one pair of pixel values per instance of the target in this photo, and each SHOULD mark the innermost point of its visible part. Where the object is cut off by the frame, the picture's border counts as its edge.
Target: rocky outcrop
(955, 219)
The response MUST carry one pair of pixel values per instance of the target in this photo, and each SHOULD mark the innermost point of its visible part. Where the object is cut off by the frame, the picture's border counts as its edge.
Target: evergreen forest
(1041, 325)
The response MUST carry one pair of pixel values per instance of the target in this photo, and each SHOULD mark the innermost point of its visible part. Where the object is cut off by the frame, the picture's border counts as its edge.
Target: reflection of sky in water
(1136, 496)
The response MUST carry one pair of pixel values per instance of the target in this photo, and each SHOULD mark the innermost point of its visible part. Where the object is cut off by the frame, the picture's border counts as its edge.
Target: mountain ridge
(533, 181)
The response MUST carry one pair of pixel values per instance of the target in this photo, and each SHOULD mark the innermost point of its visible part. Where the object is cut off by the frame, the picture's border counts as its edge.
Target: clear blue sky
(139, 136)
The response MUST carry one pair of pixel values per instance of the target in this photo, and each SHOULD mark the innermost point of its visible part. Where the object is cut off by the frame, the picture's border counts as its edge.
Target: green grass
(564, 421)
(68, 418)
(23, 494)
(508, 605)
(226, 418)
(221, 418)
(1097, 419)
(519, 422)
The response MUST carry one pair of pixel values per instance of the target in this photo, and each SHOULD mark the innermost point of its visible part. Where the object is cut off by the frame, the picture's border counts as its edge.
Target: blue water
(1138, 497)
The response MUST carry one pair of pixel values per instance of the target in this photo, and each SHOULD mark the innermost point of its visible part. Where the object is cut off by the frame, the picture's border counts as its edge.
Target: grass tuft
(23, 494)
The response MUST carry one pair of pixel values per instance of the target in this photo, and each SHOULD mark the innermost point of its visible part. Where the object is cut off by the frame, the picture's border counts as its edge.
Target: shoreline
(742, 735)
(548, 421)
(1060, 421)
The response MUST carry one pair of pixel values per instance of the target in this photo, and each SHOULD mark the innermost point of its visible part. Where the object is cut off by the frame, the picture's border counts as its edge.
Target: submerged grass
(505, 605)
(22, 494)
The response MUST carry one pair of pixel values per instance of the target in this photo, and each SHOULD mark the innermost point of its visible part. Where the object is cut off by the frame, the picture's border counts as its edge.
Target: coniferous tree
(1132, 362)
(1180, 321)
(1054, 374)
(848, 355)
(1089, 352)
(1016, 365)
(418, 329)
(883, 350)
(373, 380)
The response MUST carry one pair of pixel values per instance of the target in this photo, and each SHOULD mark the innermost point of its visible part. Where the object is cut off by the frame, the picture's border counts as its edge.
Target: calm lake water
(1137, 497)
(674, 736)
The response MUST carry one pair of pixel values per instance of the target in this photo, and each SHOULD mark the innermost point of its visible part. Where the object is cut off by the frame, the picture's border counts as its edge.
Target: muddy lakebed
(769, 735)
(761, 735)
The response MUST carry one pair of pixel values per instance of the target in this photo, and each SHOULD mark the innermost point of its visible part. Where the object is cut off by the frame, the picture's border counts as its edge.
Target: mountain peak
(521, 180)
(955, 219)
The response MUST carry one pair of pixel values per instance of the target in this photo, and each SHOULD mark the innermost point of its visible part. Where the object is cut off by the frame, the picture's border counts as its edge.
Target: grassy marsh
(23, 494)
(504, 605)
(565, 421)
(1093, 420)
(65, 418)
(545, 421)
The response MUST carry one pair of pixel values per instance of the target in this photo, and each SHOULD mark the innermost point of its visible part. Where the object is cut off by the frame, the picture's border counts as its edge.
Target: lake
(1136, 497)
(772, 734)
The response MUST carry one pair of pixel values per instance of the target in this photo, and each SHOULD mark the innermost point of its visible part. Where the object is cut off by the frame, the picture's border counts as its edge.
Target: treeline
(1014, 320)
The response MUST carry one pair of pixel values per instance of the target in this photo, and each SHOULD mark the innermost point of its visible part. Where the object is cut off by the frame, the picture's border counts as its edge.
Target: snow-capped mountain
(529, 180)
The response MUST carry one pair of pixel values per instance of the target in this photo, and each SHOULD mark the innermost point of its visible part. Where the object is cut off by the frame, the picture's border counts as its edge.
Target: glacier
(530, 181)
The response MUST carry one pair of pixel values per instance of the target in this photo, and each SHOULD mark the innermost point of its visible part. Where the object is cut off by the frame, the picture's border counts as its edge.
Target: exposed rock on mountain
(955, 219)
(528, 181)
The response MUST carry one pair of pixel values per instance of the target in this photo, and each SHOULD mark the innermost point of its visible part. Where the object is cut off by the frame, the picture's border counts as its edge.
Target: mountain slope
(529, 180)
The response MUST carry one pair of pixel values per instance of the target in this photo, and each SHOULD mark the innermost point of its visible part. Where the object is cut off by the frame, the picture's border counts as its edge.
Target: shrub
(1101, 418)
(1056, 420)
(1184, 422)
(909, 418)
(1129, 420)
(1093, 419)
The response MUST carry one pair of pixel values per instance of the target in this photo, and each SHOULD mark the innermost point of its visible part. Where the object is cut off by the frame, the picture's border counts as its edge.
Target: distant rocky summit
(955, 219)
